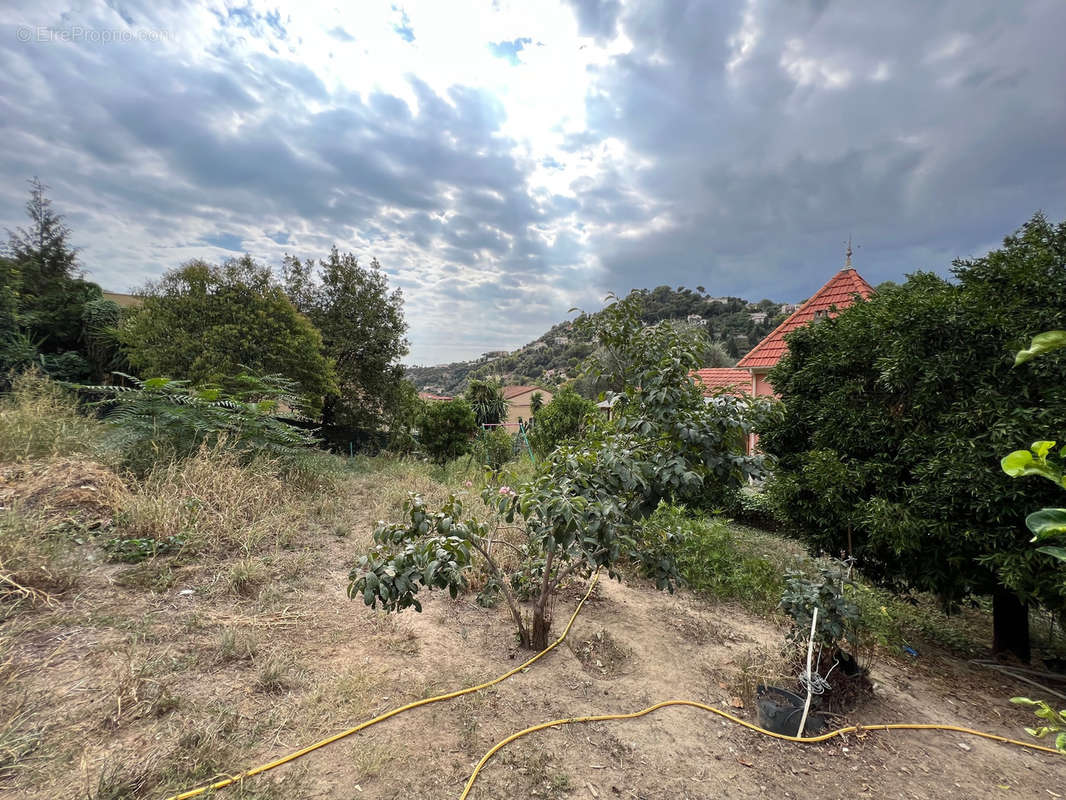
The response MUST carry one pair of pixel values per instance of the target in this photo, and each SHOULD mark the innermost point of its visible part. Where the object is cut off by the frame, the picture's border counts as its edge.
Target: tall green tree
(896, 414)
(363, 334)
(205, 323)
(43, 297)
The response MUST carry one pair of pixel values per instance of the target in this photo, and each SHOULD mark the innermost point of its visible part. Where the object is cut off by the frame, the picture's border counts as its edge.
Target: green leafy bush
(446, 429)
(710, 557)
(838, 616)
(134, 550)
(494, 447)
(435, 551)
(159, 420)
(562, 419)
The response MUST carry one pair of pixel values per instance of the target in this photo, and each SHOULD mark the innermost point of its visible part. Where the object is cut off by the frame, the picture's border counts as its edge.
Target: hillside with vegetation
(733, 325)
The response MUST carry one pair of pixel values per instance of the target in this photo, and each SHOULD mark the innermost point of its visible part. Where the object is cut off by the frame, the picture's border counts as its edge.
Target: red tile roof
(839, 292)
(431, 396)
(732, 381)
(511, 392)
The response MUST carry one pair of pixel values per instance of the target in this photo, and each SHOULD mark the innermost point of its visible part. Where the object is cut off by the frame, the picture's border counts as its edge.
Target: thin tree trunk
(1010, 625)
(516, 615)
(541, 619)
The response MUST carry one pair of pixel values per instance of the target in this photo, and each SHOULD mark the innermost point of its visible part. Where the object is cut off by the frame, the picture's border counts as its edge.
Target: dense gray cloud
(733, 145)
(925, 130)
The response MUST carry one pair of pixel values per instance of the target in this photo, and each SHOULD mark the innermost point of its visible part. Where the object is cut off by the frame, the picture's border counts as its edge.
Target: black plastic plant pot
(780, 711)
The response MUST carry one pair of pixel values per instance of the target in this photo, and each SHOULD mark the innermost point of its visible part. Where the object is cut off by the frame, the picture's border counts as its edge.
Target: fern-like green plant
(159, 419)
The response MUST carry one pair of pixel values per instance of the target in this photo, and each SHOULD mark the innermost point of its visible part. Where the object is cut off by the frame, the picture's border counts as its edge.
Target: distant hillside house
(429, 397)
(518, 401)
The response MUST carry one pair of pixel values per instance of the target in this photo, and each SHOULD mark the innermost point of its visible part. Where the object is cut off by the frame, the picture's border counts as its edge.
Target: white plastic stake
(810, 652)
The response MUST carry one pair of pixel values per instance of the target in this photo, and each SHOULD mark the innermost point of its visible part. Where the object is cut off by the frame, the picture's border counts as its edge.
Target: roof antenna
(847, 262)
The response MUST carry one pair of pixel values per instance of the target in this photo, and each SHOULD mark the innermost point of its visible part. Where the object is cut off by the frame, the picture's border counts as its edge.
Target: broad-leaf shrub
(563, 418)
(1047, 523)
(446, 429)
(578, 512)
(1055, 721)
(895, 413)
(494, 447)
(431, 550)
(838, 616)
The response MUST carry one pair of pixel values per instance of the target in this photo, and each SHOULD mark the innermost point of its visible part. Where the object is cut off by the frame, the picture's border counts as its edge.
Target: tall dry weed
(40, 419)
(212, 501)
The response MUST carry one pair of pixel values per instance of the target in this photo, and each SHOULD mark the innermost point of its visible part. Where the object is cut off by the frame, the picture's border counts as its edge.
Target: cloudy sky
(507, 160)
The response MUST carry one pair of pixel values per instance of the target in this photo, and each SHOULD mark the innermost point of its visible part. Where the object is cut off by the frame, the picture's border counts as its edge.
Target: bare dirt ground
(137, 692)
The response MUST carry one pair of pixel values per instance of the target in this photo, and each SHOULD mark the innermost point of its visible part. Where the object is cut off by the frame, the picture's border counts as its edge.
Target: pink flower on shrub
(507, 491)
(468, 484)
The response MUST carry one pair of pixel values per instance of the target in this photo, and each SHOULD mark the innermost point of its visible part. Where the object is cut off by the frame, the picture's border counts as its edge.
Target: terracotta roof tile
(714, 380)
(514, 391)
(839, 292)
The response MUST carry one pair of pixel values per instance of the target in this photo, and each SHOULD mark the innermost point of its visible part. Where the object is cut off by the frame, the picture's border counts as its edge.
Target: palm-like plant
(487, 401)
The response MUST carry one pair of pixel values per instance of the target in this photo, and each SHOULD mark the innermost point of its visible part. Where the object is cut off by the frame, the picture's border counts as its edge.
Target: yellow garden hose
(221, 784)
(805, 740)
(229, 781)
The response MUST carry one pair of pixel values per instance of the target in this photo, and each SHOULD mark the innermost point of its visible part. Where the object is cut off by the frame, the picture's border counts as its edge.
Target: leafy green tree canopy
(43, 301)
(203, 323)
(363, 330)
(897, 411)
(563, 418)
(446, 429)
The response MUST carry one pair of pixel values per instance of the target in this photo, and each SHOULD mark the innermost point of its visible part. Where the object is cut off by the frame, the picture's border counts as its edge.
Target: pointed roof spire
(847, 262)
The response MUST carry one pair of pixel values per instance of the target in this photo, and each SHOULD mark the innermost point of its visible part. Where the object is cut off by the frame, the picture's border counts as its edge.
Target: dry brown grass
(35, 568)
(40, 419)
(214, 502)
(77, 489)
(19, 734)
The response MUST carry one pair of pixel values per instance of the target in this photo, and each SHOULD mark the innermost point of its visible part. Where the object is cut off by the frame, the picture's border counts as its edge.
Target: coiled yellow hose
(804, 740)
(229, 781)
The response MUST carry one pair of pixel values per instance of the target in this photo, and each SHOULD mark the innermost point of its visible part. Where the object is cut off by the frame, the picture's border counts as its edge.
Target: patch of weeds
(714, 559)
(20, 735)
(135, 695)
(758, 666)
(137, 549)
(203, 750)
(369, 761)
(237, 645)
(538, 776)
(149, 576)
(245, 577)
(126, 779)
(277, 674)
(33, 567)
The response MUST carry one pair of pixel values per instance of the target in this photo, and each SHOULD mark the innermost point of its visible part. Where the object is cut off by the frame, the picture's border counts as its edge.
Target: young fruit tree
(1047, 524)
(576, 515)
(896, 413)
